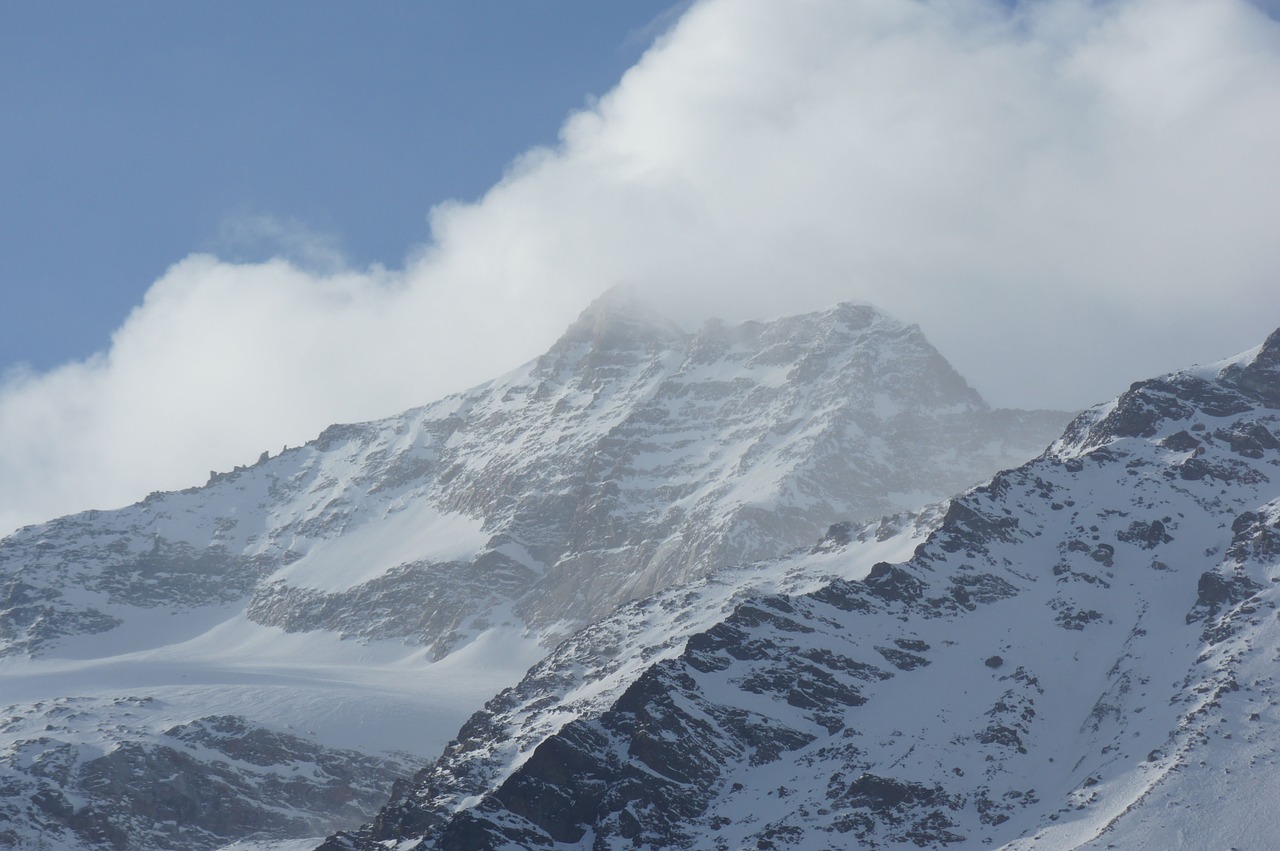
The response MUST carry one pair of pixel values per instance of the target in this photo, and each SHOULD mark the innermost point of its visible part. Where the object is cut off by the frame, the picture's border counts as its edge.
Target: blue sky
(138, 132)
(228, 225)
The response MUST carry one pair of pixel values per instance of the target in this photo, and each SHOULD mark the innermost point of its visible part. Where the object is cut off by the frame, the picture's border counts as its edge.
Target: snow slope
(630, 457)
(207, 661)
(1082, 654)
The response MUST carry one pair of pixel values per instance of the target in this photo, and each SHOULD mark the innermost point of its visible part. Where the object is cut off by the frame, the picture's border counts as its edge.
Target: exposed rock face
(1081, 654)
(631, 457)
(196, 785)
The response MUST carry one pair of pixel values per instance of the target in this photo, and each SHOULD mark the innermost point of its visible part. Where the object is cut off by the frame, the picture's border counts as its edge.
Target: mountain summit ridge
(1255, 373)
(342, 587)
(533, 466)
(1079, 654)
(620, 315)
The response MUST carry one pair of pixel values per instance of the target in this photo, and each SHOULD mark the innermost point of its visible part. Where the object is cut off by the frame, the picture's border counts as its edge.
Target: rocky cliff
(1080, 654)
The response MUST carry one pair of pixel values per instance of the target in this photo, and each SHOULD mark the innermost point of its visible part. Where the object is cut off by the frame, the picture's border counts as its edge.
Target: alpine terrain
(259, 658)
(1082, 652)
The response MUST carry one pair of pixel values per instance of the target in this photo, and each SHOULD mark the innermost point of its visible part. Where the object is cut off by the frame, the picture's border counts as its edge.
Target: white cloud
(263, 234)
(1066, 195)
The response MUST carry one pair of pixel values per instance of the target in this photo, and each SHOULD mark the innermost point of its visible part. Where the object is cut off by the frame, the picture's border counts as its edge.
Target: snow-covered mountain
(219, 653)
(1081, 653)
(628, 458)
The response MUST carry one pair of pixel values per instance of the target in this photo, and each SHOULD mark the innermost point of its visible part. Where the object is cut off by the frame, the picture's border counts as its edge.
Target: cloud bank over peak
(1065, 195)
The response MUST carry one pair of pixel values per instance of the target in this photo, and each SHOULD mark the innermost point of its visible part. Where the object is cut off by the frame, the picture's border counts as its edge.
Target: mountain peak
(1257, 373)
(620, 318)
(844, 317)
(1172, 402)
(855, 313)
(1130, 595)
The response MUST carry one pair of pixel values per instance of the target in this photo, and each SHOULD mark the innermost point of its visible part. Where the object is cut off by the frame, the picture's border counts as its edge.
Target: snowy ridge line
(367, 592)
(1081, 654)
(631, 457)
(589, 670)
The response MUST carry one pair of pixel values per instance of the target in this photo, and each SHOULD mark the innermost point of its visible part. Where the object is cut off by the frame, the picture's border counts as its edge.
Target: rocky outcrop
(196, 785)
(631, 457)
(1028, 677)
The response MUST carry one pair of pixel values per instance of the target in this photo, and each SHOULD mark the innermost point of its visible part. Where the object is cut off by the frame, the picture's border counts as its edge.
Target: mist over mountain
(630, 457)
(289, 637)
(676, 582)
(1079, 653)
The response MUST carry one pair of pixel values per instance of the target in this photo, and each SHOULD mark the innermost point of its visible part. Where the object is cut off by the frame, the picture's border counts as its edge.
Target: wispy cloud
(1066, 195)
(254, 236)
